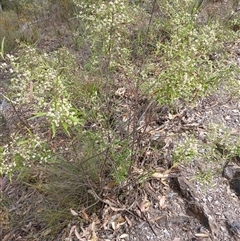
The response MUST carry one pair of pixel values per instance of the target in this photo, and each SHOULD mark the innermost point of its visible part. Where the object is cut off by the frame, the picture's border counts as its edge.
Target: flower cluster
(106, 23)
(189, 69)
(23, 151)
(49, 93)
(40, 82)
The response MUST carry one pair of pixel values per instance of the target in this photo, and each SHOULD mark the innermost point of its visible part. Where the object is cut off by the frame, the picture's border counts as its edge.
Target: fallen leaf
(170, 116)
(156, 218)
(139, 213)
(117, 221)
(176, 239)
(159, 175)
(167, 171)
(117, 209)
(84, 215)
(162, 202)
(113, 224)
(120, 91)
(94, 237)
(128, 221)
(78, 236)
(8, 236)
(144, 205)
(46, 232)
(124, 235)
(163, 181)
(74, 213)
(233, 131)
(202, 235)
(71, 232)
(85, 232)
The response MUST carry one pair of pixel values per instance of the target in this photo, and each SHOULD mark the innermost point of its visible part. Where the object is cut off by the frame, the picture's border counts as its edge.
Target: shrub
(39, 82)
(23, 151)
(191, 60)
(104, 25)
(50, 95)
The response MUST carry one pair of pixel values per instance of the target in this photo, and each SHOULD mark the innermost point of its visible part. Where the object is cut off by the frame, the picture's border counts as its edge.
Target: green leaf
(53, 128)
(2, 48)
(38, 114)
(74, 119)
(65, 128)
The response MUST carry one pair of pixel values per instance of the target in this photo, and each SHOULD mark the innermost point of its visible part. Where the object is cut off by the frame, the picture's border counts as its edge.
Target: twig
(120, 208)
(146, 220)
(14, 110)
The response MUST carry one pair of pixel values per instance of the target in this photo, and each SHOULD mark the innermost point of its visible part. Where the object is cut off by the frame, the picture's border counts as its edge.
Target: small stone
(228, 172)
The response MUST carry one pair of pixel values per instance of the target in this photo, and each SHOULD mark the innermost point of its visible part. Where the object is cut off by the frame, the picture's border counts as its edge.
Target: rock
(235, 185)
(194, 207)
(185, 188)
(228, 172)
(232, 173)
(233, 228)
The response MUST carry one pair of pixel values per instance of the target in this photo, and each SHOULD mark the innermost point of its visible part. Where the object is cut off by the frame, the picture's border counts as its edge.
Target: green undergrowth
(218, 146)
(77, 132)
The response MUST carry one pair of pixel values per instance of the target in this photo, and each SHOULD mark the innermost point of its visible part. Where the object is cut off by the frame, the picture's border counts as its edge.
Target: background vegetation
(84, 77)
